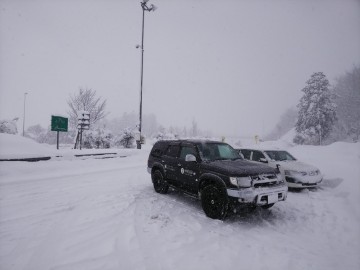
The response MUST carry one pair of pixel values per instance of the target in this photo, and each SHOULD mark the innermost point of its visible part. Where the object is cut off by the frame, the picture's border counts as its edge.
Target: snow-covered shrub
(299, 139)
(37, 133)
(99, 138)
(8, 126)
(88, 140)
(126, 139)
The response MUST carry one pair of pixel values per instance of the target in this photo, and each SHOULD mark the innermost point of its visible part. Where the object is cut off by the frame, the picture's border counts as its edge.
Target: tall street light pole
(24, 114)
(144, 7)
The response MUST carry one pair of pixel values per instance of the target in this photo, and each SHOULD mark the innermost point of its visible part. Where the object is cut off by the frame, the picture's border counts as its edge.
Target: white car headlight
(241, 181)
(316, 172)
(294, 173)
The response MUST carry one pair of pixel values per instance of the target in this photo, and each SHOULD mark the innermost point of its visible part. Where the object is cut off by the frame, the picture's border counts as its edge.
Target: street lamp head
(152, 7)
(144, 6)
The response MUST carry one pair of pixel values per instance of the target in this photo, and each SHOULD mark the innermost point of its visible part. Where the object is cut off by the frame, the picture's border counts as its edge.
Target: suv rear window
(158, 149)
(156, 152)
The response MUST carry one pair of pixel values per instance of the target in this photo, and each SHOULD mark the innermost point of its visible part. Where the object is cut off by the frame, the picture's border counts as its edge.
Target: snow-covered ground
(104, 214)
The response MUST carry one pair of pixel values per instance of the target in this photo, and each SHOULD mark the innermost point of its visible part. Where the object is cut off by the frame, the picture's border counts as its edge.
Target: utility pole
(144, 8)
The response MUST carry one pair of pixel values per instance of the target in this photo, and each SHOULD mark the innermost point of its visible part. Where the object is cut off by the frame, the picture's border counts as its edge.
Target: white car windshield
(279, 155)
(217, 151)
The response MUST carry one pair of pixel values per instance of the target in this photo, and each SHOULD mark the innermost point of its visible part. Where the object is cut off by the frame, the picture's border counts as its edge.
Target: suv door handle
(179, 164)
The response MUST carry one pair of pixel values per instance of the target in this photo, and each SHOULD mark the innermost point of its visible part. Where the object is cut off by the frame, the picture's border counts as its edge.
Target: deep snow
(104, 214)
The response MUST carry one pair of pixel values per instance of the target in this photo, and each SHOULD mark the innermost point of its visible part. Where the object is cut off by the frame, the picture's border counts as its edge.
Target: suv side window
(257, 155)
(185, 150)
(246, 153)
(173, 151)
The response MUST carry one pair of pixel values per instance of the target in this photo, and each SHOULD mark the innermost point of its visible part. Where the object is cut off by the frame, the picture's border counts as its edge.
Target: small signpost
(83, 124)
(59, 123)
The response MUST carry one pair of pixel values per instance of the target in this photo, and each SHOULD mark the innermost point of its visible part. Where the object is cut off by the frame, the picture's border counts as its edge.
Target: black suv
(215, 173)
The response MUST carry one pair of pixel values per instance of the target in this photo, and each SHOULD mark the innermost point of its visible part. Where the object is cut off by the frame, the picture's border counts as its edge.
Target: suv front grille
(264, 180)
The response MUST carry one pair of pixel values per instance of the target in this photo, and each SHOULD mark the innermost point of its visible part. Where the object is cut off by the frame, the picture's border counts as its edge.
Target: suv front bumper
(259, 196)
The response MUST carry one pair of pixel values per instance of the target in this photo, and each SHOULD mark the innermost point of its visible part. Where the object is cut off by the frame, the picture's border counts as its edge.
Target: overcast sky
(232, 66)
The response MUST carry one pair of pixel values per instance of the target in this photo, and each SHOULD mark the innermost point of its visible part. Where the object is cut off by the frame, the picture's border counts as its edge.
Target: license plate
(272, 198)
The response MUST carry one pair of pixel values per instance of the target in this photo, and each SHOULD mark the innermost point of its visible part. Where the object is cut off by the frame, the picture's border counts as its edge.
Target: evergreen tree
(317, 111)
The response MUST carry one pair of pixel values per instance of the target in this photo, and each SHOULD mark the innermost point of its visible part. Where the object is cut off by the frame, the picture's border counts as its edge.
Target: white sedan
(297, 174)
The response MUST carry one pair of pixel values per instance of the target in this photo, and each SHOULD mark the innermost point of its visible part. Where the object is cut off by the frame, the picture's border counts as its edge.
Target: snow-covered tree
(317, 111)
(86, 100)
(9, 126)
(347, 89)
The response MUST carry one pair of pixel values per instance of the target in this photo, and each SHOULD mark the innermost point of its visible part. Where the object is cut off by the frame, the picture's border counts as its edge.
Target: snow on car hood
(237, 167)
(296, 166)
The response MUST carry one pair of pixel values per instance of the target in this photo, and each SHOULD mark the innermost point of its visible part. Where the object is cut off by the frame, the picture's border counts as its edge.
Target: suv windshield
(217, 151)
(279, 155)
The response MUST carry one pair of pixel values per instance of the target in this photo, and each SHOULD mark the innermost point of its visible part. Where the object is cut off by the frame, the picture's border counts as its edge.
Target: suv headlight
(241, 181)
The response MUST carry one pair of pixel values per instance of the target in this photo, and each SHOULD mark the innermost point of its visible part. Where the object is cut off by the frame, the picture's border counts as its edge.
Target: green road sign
(59, 123)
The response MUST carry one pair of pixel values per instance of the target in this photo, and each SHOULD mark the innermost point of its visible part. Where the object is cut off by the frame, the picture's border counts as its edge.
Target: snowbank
(18, 147)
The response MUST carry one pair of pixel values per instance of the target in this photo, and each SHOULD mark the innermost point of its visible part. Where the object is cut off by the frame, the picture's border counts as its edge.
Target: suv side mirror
(190, 158)
(263, 160)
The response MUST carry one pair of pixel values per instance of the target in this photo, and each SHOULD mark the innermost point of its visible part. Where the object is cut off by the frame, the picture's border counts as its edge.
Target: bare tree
(86, 100)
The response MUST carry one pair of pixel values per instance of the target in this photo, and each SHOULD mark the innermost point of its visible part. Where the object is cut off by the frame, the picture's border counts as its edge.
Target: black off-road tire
(215, 202)
(159, 182)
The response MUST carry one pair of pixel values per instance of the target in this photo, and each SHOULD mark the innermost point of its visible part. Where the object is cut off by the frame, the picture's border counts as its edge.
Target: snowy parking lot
(104, 214)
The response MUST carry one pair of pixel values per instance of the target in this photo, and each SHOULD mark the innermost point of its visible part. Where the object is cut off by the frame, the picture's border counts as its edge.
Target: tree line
(104, 132)
(325, 114)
